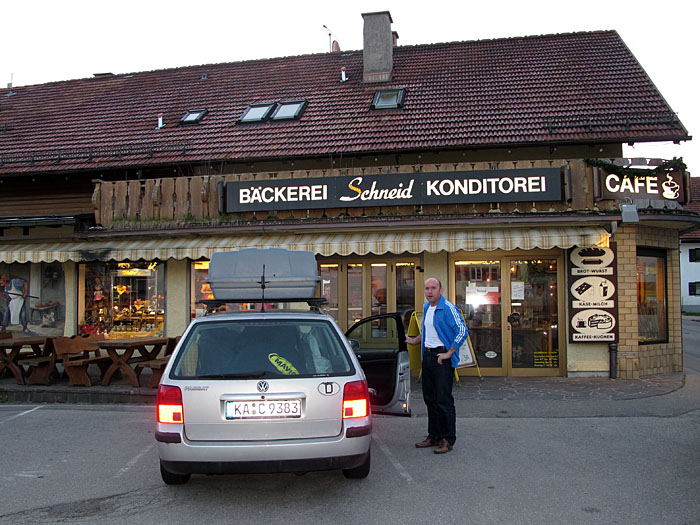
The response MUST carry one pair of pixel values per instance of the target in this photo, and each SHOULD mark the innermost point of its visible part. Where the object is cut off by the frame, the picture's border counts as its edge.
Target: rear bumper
(293, 455)
(259, 467)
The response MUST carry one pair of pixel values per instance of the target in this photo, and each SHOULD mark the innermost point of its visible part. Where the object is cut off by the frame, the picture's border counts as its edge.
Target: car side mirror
(355, 345)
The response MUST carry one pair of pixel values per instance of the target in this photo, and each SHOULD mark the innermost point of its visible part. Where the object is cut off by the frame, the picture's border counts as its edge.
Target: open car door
(380, 345)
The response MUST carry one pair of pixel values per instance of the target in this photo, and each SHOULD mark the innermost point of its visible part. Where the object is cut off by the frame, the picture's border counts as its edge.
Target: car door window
(377, 342)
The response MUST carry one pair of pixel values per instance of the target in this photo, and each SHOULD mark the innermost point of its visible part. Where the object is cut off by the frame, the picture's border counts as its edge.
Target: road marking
(20, 414)
(133, 462)
(398, 466)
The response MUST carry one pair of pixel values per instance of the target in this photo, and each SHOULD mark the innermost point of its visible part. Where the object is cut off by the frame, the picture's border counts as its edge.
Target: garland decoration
(676, 164)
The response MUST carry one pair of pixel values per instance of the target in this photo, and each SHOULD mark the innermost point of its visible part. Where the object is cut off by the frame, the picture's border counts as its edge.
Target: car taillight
(355, 400)
(169, 403)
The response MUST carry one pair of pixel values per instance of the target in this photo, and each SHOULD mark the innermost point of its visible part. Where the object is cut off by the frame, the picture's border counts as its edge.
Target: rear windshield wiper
(243, 375)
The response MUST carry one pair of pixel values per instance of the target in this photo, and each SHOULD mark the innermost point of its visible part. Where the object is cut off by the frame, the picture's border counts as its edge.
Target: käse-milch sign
(517, 185)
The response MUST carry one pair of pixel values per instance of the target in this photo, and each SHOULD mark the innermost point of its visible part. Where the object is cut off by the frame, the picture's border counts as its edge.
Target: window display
(201, 290)
(651, 296)
(124, 299)
(32, 298)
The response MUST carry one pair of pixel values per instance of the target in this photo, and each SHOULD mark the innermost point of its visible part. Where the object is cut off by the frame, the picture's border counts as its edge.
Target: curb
(78, 395)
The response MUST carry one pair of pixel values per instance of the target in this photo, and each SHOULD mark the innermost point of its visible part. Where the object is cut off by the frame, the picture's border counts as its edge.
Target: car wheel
(360, 472)
(170, 478)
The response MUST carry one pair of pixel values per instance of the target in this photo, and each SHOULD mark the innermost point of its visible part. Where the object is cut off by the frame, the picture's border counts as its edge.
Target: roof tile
(566, 88)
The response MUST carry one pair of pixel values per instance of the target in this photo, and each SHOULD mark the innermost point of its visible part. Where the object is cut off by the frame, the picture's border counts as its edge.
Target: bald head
(433, 290)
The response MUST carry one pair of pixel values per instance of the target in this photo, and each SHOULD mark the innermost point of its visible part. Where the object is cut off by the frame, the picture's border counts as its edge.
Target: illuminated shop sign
(134, 272)
(664, 186)
(526, 185)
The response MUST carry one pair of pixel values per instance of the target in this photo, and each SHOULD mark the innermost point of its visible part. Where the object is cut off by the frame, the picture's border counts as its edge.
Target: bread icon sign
(671, 188)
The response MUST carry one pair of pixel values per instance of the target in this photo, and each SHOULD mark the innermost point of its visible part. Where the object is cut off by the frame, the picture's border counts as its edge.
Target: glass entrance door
(478, 295)
(533, 317)
(511, 307)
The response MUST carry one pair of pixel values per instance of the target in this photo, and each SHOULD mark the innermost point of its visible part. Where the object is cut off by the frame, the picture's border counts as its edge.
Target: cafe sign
(393, 189)
(654, 185)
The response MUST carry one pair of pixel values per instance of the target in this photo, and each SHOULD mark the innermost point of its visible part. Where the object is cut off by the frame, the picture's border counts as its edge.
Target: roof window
(289, 109)
(389, 98)
(193, 116)
(257, 112)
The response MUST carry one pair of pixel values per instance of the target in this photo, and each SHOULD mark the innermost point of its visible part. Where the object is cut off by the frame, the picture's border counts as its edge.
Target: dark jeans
(437, 383)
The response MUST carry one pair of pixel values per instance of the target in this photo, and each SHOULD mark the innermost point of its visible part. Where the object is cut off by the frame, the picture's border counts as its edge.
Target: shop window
(354, 288)
(330, 289)
(32, 298)
(405, 290)
(123, 299)
(379, 288)
(201, 290)
(652, 312)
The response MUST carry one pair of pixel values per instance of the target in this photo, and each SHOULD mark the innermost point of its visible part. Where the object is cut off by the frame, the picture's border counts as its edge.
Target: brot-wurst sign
(526, 185)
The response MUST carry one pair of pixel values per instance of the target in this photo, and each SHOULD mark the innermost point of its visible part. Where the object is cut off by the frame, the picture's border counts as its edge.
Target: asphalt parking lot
(516, 461)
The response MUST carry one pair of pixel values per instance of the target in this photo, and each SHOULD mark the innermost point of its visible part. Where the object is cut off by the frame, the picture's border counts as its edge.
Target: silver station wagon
(278, 390)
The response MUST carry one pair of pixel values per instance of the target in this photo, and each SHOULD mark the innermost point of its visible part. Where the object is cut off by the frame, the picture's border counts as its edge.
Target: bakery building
(495, 166)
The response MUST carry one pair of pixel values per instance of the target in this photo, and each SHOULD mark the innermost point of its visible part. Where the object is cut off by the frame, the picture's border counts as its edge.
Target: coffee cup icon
(671, 188)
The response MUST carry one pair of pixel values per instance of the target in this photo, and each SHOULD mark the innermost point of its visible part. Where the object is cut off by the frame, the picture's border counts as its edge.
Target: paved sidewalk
(468, 389)
(560, 388)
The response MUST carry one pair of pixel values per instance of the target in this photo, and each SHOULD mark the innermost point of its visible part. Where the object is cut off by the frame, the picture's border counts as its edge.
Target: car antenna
(262, 286)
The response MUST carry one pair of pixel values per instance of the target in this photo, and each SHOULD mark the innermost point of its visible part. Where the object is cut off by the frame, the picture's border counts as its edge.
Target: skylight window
(289, 109)
(257, 112)
(389, 99)
(193, 116)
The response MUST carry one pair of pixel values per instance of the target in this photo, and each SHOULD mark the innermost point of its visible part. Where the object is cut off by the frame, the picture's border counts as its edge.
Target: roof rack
(314, 303)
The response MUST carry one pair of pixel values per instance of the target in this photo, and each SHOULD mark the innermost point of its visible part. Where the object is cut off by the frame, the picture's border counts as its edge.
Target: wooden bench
(74, 353)
(41, 368)
(158, 364)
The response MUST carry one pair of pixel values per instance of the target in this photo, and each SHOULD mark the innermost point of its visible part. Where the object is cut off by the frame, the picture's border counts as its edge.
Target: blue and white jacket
(449, 325)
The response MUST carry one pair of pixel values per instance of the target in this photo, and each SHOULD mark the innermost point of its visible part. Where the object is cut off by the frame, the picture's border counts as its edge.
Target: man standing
(442, 335)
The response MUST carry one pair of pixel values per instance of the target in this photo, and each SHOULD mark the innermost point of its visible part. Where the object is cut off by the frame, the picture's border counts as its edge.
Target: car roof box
(289, 274)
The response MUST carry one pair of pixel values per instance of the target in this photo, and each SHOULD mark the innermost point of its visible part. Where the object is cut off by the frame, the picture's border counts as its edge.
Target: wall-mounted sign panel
(592, 284)
(393, 189)
(655, 186)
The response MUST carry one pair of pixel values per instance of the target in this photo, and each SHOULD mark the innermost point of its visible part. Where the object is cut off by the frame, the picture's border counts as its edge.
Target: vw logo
(263, 386)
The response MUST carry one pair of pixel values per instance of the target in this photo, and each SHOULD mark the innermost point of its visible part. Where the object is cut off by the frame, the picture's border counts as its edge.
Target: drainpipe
(612, 349)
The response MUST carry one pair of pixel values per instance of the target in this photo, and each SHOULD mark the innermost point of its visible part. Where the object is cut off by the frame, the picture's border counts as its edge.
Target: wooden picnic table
(10, 349)
(121, 351)
(157, 364)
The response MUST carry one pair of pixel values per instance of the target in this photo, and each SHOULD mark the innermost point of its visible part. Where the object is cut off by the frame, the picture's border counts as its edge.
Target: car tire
(170, 478)
(360, 472)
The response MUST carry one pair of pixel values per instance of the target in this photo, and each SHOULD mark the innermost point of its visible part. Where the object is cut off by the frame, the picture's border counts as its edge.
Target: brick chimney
(377, 49)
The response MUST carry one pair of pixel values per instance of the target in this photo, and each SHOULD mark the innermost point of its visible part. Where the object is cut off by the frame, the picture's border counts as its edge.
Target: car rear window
(261, 348)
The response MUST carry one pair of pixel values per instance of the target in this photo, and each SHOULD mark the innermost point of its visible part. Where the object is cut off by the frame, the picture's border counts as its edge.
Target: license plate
(281, 408)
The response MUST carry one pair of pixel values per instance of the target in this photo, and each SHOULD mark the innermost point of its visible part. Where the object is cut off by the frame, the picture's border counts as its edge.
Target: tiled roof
(566, 88)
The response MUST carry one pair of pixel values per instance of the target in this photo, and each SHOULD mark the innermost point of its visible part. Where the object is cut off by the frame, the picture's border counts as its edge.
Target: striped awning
(326, 244)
